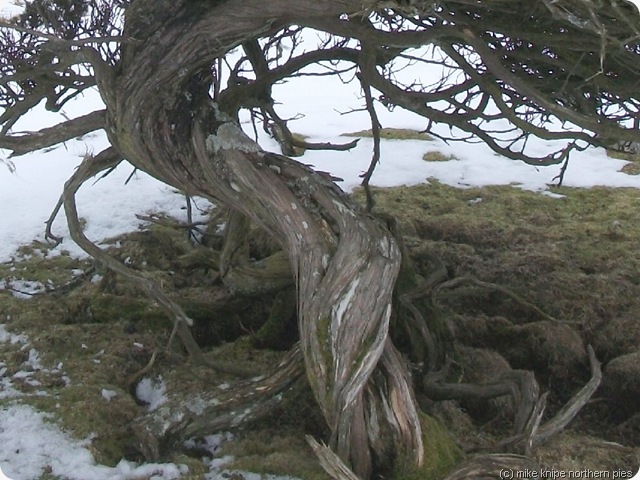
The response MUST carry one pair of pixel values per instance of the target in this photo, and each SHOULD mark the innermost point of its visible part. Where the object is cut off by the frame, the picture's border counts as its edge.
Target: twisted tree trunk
(161, 118)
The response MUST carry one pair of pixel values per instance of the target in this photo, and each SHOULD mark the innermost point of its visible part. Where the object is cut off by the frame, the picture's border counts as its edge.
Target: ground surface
(74, 337)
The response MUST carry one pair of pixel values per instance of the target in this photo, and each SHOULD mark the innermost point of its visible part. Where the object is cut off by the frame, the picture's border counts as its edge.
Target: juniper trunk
(162, 120)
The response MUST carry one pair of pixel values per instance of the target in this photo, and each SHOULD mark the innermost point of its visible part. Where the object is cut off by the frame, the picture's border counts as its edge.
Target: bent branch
(32, 141)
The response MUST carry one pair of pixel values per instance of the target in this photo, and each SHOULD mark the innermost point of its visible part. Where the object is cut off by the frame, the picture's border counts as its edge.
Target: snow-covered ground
(29, 442)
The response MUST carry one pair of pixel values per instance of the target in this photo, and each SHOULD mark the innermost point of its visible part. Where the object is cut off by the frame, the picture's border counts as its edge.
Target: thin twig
(375, 133)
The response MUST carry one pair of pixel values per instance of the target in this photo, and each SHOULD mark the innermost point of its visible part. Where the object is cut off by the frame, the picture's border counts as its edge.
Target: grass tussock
(393, 134)
(436, 156)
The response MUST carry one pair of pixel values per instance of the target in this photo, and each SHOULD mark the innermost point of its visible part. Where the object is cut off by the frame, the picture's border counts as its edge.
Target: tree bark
(161, 118)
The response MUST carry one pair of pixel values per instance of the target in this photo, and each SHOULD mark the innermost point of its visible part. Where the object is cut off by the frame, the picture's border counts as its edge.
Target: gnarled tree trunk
(161, 118)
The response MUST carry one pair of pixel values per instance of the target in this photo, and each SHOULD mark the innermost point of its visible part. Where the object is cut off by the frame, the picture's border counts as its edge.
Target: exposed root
(134, 377)
(559, 422)
(520, 385)
(331, 462)
(215, 410)
(89, 167)
(469, 280)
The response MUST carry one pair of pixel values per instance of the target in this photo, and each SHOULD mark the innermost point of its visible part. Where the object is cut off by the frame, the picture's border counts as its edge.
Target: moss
(393, 134)
(323, 330)
(284, 454)
(623, 155)
(571, 256)
(83, 413)
(108, 308)
(298, 151)
(279, 329)
(34, 263)
(440, 452)
(436, 156)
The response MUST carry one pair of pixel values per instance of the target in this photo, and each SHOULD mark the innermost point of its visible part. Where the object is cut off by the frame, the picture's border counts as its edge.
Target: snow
(152, 392)
(30, 444)
(9, 8)
(41, 446)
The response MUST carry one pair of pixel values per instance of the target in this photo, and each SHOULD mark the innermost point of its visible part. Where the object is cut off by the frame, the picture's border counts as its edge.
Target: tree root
(212, 411)
(469, 280)
(540, 435)
(331, 462)
(520, 385)
(89, 167)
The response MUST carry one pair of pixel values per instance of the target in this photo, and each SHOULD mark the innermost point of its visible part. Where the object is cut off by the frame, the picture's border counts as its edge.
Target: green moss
(83, 413)
(277, 330)
(572, 256)
(298, 151)
(324, 340)
(33, 263)
(284, 454)
(109, 308)
(393, 134)
(623, 155)
(568, 255)
(441, 453)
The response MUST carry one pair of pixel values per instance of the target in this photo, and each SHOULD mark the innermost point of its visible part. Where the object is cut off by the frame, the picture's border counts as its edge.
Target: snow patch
(30, 446)
(152, 392)
(8, 337)
(108, 394)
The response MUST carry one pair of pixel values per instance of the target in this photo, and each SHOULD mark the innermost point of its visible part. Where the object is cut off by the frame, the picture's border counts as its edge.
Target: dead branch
(104, 159)
(216, 410)
(134, 377)
(166, 221)
(375, 133)
(565, 415)
(331, 462)
(89, 167)
(32, 141)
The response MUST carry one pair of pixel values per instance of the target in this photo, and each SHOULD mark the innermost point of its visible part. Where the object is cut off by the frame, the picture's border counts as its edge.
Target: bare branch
(28, 142)
(375, 133)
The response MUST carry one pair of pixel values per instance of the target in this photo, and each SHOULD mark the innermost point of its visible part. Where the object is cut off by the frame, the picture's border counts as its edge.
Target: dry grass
(393, 134)
(436, 156)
